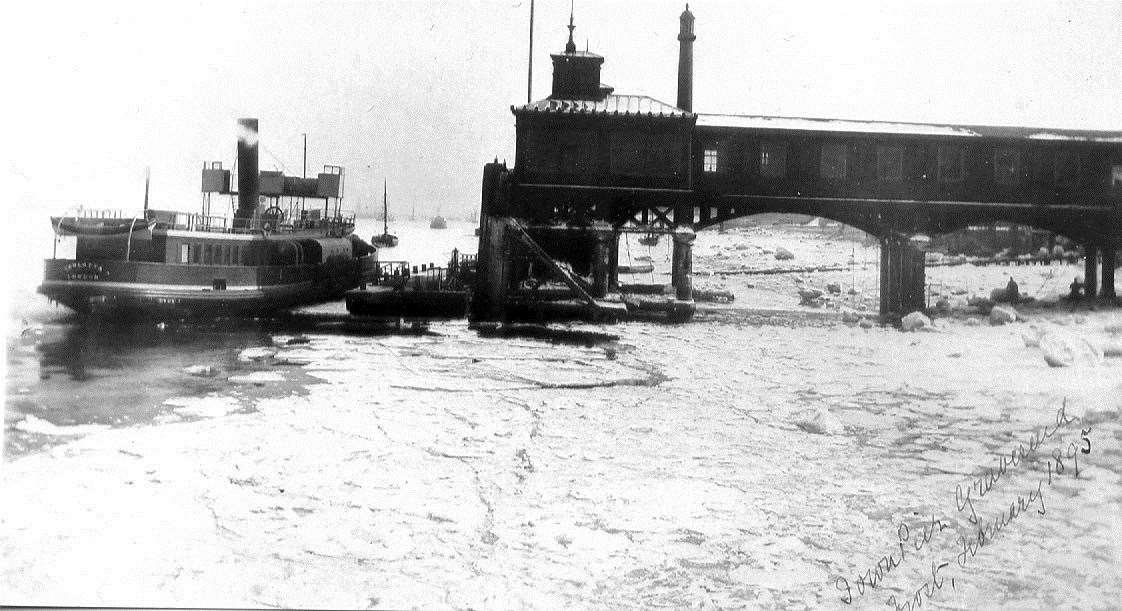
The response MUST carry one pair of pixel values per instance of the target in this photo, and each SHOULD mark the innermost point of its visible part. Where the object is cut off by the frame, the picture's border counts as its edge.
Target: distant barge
(273, 254)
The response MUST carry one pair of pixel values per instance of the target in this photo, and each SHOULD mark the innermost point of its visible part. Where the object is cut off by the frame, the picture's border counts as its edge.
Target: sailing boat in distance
(387, 239)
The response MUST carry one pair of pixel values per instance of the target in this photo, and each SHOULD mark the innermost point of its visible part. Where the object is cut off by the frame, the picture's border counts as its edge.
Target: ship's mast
(385, 210)
(305, 172)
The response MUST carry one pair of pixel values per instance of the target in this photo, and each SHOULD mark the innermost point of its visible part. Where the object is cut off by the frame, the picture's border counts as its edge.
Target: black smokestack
(248, 179)
(685, 61)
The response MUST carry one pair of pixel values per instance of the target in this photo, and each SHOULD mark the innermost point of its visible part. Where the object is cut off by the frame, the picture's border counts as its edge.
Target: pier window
(196, 253)
(1007, 166)
(577, 150)
(890, 163)
(235, 252)
(1066, 169)
(542, 154)
(951, 164)
(1116, 176)
(834, 161)
(625, 158)
(635, 153)
(773, 159)
(663, 154)
(184, 253)
(710, 160)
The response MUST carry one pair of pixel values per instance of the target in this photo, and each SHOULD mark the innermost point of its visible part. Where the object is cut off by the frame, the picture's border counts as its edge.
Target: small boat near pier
(387, 239)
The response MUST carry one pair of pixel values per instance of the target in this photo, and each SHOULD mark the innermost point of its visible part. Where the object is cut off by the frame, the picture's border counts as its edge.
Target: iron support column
(601, 260)
(902, 276)
(1091, 270)
(682, 264)
(885, 276)
(613, 274)
(1108, 271)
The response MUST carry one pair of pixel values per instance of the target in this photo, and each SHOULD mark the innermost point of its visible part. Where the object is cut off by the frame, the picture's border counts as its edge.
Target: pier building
(591, 164)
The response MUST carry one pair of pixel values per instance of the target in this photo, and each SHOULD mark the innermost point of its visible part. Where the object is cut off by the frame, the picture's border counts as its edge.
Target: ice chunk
(256, 354)
(914, 322)
(257, 377)
(1069, 350)
(34, 424)
(205, 407)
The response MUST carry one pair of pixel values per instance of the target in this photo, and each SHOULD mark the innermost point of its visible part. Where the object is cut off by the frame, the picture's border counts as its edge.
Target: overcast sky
(419, 92)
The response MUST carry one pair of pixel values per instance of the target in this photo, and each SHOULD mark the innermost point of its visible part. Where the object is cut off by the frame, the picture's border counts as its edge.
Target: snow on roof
(618, 104)
(1051, 135)
(900, 128)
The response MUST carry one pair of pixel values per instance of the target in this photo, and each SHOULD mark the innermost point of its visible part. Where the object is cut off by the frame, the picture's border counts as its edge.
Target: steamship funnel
(248, 179)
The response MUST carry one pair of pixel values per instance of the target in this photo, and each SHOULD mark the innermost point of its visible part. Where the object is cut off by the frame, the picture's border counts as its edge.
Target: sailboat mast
(385, 210)
(147, 177)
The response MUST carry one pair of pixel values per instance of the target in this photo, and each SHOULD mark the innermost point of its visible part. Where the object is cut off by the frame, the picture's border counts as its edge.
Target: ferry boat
(274, 253)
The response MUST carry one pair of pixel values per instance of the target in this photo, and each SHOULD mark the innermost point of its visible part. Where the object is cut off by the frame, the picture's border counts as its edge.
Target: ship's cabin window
(950, 164)
(709, 160)
(890, 163)
(773, 159)
(196, 253)
(1066, 169)
(1006, 166)
(833, 161)
(184, 253)
(1116, 176)
(234, 255)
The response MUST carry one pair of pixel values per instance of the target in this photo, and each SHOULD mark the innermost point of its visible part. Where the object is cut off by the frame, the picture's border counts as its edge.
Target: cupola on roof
(576, 74)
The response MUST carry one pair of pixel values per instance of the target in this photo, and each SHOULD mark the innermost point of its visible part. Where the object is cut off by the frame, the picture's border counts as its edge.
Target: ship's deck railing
(344, 220)
(222, 224)
(401, 274)
(426, 276)
(100, 213)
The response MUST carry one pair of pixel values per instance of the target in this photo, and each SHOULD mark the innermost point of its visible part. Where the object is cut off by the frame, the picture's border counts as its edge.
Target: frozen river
(750, 458)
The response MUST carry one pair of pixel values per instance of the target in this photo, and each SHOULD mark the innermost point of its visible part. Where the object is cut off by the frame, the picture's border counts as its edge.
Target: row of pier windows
(214, 254)
(834, 163)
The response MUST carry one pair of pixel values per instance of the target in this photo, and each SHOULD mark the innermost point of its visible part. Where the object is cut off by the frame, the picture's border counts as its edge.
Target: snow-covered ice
(748, 459)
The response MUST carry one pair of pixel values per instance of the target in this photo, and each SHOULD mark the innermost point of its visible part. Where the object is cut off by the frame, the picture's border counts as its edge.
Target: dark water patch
(554, 335)
(116, 373)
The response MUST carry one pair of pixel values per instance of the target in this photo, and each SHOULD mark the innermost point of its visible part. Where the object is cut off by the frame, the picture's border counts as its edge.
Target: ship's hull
(168, 290)
(387, 240)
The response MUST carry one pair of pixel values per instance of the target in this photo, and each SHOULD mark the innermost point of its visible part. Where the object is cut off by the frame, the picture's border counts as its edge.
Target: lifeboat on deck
(85, 226)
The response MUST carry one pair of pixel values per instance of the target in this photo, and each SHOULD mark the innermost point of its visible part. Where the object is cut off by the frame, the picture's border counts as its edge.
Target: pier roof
(613, 104)
(910, 129)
